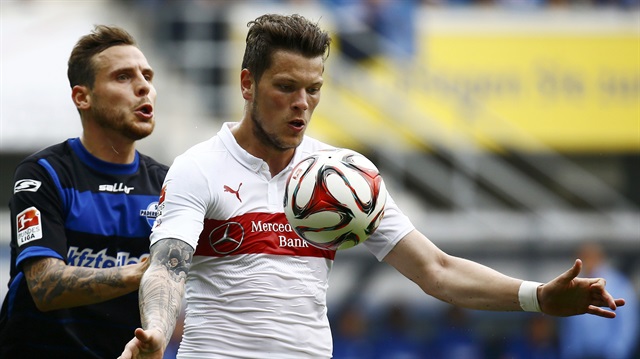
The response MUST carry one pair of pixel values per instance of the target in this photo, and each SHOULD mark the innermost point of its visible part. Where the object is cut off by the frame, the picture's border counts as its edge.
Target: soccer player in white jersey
(253, 289)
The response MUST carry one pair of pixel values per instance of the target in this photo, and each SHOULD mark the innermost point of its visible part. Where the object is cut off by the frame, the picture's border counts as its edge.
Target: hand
(137, 270)
(143, 265)
(147, 344)
(568, 295)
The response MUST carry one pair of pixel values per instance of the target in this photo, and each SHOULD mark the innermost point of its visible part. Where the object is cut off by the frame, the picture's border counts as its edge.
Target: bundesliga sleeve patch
(29, 226)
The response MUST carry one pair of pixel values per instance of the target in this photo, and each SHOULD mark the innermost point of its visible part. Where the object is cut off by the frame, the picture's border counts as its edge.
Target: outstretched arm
(471, 285)
(161, 292)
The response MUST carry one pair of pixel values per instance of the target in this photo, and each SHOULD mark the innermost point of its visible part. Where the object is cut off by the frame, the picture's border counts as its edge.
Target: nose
(300, 100)
(143, 87)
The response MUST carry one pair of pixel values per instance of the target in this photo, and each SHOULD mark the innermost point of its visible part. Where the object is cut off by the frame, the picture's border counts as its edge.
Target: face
(123, 97)
(284, 100)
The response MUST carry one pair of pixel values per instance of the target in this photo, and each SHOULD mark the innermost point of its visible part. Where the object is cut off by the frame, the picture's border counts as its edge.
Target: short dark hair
(81, 69)
(271, 32)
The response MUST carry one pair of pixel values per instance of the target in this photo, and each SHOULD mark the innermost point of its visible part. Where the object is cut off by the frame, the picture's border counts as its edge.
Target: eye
(313, 90)
(286, 88)
(122, 77)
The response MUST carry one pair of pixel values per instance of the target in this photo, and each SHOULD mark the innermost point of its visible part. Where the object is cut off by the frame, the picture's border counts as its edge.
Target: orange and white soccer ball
(335, 198)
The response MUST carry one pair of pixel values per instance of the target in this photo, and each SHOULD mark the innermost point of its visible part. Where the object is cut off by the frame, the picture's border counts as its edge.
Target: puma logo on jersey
(116, 187)
(27, 185)
(236, 192)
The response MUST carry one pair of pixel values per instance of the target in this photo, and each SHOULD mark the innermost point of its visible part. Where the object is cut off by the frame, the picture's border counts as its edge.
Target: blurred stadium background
(508, 130)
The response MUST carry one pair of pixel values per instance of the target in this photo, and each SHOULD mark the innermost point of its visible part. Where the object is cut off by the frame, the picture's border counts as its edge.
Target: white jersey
(255, 289)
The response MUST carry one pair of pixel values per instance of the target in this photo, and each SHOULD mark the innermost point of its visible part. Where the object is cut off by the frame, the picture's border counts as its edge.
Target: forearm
(162, 286)
(475, 286)
(451, 279)
(56, 285)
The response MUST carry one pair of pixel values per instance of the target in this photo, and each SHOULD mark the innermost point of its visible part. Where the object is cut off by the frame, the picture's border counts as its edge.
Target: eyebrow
(146, 71)
(291, 80)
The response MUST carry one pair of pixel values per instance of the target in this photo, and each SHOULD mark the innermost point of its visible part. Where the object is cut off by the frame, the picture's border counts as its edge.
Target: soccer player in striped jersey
(82, 212)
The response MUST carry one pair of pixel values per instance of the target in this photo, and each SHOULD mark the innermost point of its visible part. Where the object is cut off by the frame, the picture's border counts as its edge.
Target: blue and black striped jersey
(73, 206)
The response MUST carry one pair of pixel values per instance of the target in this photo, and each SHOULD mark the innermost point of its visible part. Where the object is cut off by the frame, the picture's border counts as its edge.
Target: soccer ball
(335, 198)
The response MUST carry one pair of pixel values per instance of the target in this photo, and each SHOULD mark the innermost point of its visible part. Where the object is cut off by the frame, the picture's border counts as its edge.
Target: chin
(138, 133)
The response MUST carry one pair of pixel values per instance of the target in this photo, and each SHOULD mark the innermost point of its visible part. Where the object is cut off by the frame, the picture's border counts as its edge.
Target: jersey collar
(245, 158)
(100, 165)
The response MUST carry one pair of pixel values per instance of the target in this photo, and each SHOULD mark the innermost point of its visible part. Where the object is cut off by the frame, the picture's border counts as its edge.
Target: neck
(110, 150)
(277, 159)
(278, 163)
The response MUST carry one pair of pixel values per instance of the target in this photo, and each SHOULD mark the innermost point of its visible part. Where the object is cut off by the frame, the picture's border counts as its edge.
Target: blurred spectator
(367, 28)
(539, 340)
(353, 19)
(351, 338)
(591, 337)
(457, 339)
(395, 24)
(396, 339)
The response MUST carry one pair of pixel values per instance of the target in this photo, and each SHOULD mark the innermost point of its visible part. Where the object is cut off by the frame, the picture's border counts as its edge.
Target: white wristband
(528, 296)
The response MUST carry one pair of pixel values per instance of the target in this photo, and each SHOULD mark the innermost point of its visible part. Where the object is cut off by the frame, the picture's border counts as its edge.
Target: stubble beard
(267, 139)
(116, 121)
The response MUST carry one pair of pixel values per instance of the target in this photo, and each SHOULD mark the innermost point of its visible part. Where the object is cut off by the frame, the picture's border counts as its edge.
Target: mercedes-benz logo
(222, 239)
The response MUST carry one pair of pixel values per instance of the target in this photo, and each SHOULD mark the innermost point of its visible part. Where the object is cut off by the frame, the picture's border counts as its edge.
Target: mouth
(144, 111)
(297, 124)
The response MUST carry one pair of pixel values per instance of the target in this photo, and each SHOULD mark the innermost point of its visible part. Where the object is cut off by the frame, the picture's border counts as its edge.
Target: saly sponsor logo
(115, 188)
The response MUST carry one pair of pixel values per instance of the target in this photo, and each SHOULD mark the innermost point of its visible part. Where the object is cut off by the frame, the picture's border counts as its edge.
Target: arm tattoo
(175, 256)
(51, 280)
(162, 286)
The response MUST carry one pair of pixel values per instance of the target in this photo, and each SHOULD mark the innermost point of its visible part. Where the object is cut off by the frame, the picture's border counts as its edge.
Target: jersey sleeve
(393, 227)
(37, 214)
(183, 203)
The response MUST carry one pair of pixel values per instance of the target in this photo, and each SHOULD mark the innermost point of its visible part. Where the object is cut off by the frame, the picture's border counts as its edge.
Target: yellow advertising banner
(565, 92)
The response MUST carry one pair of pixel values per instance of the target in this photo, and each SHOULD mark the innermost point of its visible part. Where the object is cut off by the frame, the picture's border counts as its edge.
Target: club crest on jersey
(151, 213)
(29, 226)
(26, 185)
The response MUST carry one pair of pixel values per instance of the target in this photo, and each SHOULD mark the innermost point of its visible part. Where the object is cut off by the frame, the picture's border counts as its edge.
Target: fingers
(571, 273)
(600, 294)
(127, 353)
(602, 298)
(575, 270)
(600, 312)
(132, 346)
(142, 335)
(144, 264)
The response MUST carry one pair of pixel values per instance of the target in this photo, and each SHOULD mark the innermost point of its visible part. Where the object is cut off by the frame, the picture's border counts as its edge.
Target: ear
(81, 97)
(247, 85)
